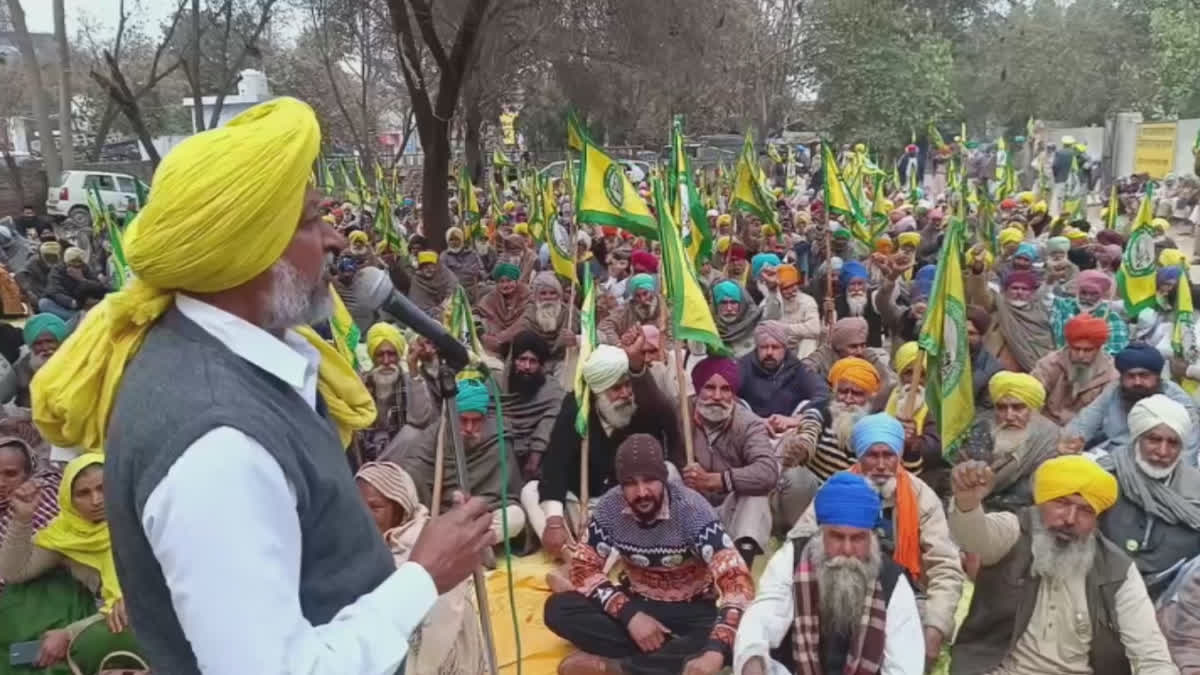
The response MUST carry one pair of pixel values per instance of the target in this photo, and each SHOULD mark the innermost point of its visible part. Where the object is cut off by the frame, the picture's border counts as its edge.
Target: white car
(69, 199)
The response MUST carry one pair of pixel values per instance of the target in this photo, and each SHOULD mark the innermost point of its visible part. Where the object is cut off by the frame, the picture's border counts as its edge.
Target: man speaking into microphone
(239, 536)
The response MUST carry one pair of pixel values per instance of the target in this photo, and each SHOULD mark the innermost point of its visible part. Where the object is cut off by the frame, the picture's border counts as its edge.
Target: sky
(40, 17)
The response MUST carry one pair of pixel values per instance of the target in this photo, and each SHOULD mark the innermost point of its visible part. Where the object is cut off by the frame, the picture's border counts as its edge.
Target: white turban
(1155, 410)
(604, 367)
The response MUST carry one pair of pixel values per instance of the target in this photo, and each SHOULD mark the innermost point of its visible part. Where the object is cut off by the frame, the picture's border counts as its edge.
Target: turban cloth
(1010, 235)
(851, 270)
(724, 219)
(763, 260)
(1110, 237)
(584, 239)
(640, 456)
(641, 282)
(884, 244)
(737, 252)
(1167, 275)
(906, 225)
(769, 230)
(1139, 355)
(427, 258)
(841, 233)
(774, 330)
(510, 206)
(856, 371)
(44, 323)
(528, 341)
(605, 367)
(472, 396)
(847, 500)
(979, 318)
(1024, 277)
(1008, 204)
(546, 280)
(73, 256)
(851, 330)
(643, 261)
(922, 284)
(506, 270)
(521, 228)
(906, 356)
(1171, 257)
(385, 332)
(877, 428)
(911, 239)
(1039, 207)
(454, 232)
(1075, 234)
(1094, 281)
(50, 248)
(727, 291)
(788, 276)
(723, 243)
(1155, 410)
(1026, 198)
(1021, 386)
(393, 482)
(1086, 329)
(973, 258)
(1113, 251)
(726, 367)
(195, 238)
(357, 238)
(1060, 244)
(1075, 475)
(1160, 225)
(652, 335)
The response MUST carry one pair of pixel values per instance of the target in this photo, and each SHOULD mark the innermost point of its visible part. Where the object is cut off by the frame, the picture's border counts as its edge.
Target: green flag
(587, 324)
(691, 318)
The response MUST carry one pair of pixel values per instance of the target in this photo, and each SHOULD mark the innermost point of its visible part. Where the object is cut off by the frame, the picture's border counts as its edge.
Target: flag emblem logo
(562, 239)
(1140, 254)
(614, 185)
(955, 344)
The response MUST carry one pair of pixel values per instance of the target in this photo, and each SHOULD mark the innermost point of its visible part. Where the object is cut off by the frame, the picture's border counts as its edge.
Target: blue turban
(758, 262)
(641, 282)
(922, 283)
(726, 291)
(1026, 250)
(877, 428)
(1167, 275)
(1139, 355)
(44, 323)
(472, 396)
(852, 269)
(846, 499)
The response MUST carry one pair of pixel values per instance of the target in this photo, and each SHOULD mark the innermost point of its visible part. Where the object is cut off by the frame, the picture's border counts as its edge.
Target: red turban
(1008, 204)
(643, 262)
(1025, 277)
(737, 252)
(726, 367)
(1086, 330)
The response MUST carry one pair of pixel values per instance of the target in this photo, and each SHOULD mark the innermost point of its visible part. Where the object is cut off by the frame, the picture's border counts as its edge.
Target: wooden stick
(684, 413)
(583, 484)
(439, 464)
(829, 275)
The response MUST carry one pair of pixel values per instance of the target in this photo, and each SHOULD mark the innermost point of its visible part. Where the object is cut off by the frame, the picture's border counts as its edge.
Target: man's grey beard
(617, 415)
(1007, 441)
(1053, 559)
(385, 378)
(714, 412)
(1154, 472)
(886, 489)
(857, 304)
(844, 417)
(1018, 304)
(790, 307)
(1086, 307)
(647, 311)
(294, 300)
(843, 583)
(36, 362)
(547, 315)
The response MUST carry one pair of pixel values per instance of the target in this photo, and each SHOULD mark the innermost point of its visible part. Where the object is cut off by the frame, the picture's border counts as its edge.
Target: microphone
(452, 352)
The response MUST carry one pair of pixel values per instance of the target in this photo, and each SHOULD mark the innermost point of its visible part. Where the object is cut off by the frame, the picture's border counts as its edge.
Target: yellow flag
(691, 318)
(1136, 279)
(838, 199)
(607, 197)
(576, 136)
(750, 193)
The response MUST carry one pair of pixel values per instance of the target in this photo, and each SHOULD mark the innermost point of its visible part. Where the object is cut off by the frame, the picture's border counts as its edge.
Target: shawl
(428, 294)
(500, 313)
(1163, 499)
(741, 327)
(553, 338)
(394, 483)
(466, 266)
(527, 423)
(415, 450)
(47, 505)
(867, 642)
(1026, 330)
(908, 523)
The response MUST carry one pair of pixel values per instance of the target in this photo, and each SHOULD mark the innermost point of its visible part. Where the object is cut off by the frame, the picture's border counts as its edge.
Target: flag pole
(684, 412)
(829, 274)
(439, 464)
(584, 443)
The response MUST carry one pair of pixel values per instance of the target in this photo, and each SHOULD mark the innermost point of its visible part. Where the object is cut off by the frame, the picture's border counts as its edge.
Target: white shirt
(768, 619)
(223, 526)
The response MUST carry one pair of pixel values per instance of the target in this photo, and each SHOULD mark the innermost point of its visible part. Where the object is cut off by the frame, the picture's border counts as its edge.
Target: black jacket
(68, 291)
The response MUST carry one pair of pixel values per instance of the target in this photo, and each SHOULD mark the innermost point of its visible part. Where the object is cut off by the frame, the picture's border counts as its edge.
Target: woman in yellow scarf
(78, 540)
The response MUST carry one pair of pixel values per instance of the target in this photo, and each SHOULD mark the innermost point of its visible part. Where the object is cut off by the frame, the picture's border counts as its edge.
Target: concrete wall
(1185, 136)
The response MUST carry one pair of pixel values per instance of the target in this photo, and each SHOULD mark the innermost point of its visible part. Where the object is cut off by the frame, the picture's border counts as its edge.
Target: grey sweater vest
(182, 384)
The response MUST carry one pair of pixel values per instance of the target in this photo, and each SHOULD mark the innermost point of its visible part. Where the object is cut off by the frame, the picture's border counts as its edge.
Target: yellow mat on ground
(541, 650)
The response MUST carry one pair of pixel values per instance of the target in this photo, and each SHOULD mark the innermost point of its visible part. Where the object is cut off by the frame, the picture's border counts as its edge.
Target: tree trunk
(119, 92)
(41, 103)
(435, 142)
(472, 139)
(65, 127)
(194, 71)
(106, 121)
(14, 172)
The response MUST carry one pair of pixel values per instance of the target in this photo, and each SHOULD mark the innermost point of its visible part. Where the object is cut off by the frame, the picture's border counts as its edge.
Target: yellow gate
(1155, 152)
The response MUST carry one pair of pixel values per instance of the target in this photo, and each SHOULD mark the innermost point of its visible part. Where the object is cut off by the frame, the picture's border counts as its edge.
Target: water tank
(253, 85)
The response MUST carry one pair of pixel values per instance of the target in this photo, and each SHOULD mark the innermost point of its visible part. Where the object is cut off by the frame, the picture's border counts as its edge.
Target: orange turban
(1088, 329)
(857, 371)
(788, 276)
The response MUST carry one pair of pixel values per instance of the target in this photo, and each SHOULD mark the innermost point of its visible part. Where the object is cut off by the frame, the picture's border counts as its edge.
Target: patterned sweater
(680, 558)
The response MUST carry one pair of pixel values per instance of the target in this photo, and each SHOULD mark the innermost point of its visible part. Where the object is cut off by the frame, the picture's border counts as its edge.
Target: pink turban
(1025, 277)
(848, 331)
(775, 330)
(1094, 281)
(726, 367)
(650, 332)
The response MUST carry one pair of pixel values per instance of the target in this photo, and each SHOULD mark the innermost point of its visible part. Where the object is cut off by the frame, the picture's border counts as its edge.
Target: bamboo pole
(684, 414)
(439, 464)
(584, 455)
(829, 276)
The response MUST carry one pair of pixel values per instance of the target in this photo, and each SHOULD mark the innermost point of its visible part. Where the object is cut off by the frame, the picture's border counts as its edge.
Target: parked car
(637, 171)
(69, 199)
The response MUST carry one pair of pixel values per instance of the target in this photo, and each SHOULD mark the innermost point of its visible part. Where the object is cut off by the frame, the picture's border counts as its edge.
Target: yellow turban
(769, 230)
(889, 205)
(906, 356)
(857, 371)
(723, 243)
(509, 207)
(1010, 235)
(1026, 198)
(1039, 207)
(521, 228)
(385, 332)
(1075, 234)
(972, 258)
(1160, 225)
(1023, 387)
(909, 239)
(427, 257)
(1075, 475)
(724, 219)
(357, 238)
(1017, 225)
(1171, 257)
(194, 237)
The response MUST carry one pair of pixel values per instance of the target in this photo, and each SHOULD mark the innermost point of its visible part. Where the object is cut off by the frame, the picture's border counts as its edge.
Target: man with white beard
(551, 319)
(913, 528)
(396, 403)
(621, 405)
(43, 334)
(735, 467)
(1052, 595)
(1076, 374)
(855, 298)
(1156, 520)
(1091, 298)
(642, 309)
(1020, 334)
(833, 603)
(796, 310)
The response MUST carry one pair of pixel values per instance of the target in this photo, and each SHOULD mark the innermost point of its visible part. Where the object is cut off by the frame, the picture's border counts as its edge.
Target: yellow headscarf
(79, 539)
(723, 243)
(1171, 257)
(906, 356)
(1071, 475)
(228, 202)
(1021, 386)
(1010, 235)
(973, 257)
(1027, 198)
(1075, 233)
(912, 239)
(385, 332)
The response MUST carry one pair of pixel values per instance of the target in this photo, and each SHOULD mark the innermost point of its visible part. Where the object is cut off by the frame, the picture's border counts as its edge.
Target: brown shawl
(428, 294)
(502, 315)
(555, 338)
(1024, 332)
